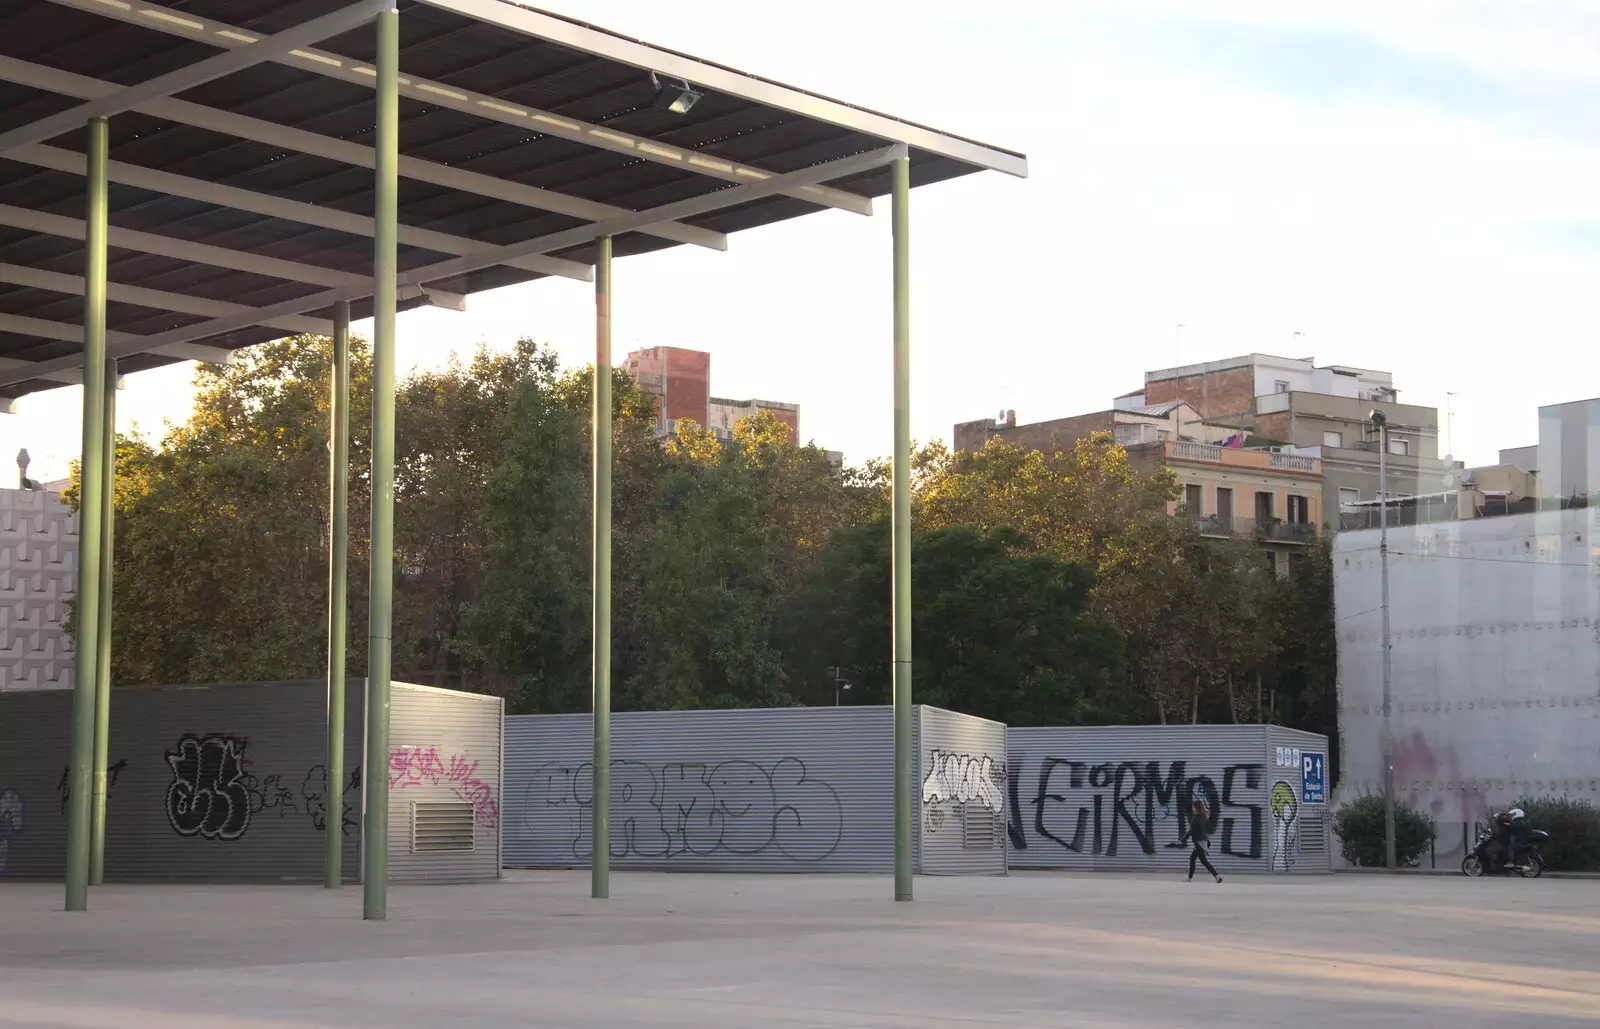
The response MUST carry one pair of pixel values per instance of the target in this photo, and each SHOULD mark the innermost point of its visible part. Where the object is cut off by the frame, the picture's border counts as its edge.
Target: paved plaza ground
(718, 951)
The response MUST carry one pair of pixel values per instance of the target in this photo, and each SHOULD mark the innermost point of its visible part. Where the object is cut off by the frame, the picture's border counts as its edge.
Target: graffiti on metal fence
(689, 808)
(422, 766)
(958, 780)
(1285, 826)
(64, 786)
(268, 793)
(314, 791)
(1111, 807)
(13, 819)
(209, 796)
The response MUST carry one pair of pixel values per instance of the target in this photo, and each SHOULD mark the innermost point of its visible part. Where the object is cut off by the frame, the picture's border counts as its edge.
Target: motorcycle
(1530, 863)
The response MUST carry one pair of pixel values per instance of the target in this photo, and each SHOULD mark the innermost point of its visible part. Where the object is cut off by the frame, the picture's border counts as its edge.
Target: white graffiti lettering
(963, 779)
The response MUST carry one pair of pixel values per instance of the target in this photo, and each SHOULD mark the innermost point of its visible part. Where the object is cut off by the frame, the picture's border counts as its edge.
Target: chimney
(1011, 419)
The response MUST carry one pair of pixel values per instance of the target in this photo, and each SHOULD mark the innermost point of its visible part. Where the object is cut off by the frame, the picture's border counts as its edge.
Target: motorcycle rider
(1517, 826)
(1503, 834)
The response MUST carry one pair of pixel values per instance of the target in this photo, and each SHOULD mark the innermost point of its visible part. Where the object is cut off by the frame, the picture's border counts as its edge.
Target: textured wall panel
(1495, 635)
(38, 573)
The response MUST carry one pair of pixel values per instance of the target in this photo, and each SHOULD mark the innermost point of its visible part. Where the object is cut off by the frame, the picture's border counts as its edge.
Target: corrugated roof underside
(435, 45)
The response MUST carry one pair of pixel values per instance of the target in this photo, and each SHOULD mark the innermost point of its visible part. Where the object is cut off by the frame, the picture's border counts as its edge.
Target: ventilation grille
(437, 826)
(979, 827)
(1313, 833)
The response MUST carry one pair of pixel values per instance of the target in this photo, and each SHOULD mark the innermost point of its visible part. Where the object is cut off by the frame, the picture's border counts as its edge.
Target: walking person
(1199, 835)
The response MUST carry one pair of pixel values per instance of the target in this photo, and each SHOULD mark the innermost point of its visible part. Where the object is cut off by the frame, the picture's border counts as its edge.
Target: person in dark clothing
(1517, 833)
(1503, 838)
(1199, 836)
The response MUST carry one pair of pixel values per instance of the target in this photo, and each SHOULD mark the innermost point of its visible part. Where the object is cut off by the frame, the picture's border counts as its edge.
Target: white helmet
(1517, 813)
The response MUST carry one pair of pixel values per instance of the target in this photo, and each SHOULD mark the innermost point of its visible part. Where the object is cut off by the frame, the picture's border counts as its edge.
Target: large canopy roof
(241, 198)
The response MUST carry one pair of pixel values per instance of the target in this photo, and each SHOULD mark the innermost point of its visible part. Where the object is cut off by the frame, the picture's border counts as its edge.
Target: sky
(1408, 187)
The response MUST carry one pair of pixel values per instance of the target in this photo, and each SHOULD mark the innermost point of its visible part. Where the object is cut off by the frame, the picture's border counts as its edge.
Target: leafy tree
(734, 527)
(221, 552)
(996, 632)
(526, 631)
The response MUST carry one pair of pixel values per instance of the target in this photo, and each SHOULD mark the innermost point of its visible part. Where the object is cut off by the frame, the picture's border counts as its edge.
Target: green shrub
(1359, 825)
(1574, 828)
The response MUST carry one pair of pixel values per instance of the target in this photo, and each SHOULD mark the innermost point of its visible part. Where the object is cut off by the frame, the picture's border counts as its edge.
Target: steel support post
(600, 811)
(91, 513)
(1383, 574)
(904, 777)
(385, 268)
(102, 693)
(338, 561)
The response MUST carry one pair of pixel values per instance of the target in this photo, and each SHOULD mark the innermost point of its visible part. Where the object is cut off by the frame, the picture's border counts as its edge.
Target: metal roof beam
(217, 66)
(611, 46)
(182, 249)
(66, 332)
(38, 76)
(155, 299)
(278, 207)
(693, 207)
(188, 26)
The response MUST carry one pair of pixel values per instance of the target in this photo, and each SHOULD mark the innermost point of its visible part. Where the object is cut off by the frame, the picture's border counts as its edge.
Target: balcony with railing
(1273, 529)
(1231, 457)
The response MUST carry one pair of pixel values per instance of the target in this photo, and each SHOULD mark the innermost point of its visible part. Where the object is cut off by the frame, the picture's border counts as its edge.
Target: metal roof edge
(614, 46)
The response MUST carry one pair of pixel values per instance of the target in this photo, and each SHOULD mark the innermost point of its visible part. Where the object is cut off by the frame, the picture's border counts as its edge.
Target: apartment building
(680, 379)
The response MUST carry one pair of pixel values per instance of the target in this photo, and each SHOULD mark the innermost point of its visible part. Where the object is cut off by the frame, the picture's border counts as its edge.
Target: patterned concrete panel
(38, 573)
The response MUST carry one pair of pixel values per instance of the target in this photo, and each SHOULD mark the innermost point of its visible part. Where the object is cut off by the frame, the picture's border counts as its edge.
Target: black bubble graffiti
(209, 795)
(1122, 804)
(735, 807)
(314, 791)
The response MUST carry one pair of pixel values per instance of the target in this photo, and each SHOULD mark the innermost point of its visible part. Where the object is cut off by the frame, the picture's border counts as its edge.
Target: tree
(996, 632)
(526, 631)
(735, 526)
(221, 552)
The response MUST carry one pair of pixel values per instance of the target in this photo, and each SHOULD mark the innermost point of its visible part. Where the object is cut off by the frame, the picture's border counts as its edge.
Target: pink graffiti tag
(422, 766)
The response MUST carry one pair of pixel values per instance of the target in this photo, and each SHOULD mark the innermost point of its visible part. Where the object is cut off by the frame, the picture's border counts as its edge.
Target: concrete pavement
(719, 952)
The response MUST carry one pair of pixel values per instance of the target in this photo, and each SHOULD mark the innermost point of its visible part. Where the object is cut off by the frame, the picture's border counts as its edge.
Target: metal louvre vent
(1313, 832)
(444, 825)
(979, 827)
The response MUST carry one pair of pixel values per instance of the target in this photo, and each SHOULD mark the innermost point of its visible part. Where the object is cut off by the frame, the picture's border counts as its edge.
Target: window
(1299, 509)
(1264, 508)
(1333, 439)
(1281, 386)
(1193, 502)
(1224, 505)
(1349, 495)
(1399, 445)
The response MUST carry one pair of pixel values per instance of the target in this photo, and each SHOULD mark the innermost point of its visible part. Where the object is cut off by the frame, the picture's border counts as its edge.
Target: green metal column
(600, 810)
(385, 269)
(900, 172)
(91, 512)
(338, 554)
(102, 693)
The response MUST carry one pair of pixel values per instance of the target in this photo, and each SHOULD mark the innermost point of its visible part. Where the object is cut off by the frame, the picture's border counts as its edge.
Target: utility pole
(1382, 423)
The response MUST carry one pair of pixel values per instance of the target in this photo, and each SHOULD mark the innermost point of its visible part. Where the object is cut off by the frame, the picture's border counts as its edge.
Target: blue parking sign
(1313, 778)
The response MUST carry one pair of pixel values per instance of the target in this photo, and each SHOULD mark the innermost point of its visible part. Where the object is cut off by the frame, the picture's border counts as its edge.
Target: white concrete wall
(38, 572)
(1495, 628)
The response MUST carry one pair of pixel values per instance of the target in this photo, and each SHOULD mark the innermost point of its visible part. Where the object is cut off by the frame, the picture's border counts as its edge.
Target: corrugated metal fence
(228, 782)
(1118, 797)
(779, 790)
